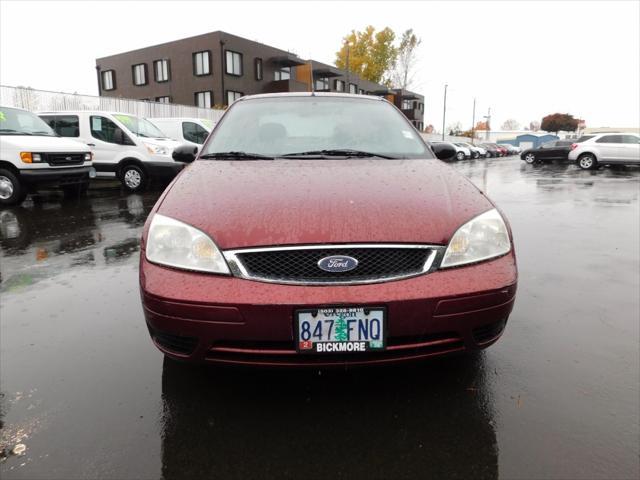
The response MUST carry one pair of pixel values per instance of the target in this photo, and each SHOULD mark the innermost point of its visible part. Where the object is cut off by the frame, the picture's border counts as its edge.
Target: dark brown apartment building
(216, 68)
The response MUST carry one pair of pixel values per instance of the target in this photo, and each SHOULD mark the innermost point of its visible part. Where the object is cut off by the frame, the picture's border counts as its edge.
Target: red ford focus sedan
(320, 229)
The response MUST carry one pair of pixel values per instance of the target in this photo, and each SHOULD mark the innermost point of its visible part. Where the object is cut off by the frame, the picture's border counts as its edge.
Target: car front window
(285, 125)
(14, 121)
(140, 126)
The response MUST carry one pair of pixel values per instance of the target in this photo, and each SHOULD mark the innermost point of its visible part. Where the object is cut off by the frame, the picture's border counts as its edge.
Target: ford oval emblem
(337, 263)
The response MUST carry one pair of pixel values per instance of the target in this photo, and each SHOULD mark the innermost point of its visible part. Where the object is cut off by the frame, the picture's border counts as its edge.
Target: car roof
(76, 112)
(312, 94)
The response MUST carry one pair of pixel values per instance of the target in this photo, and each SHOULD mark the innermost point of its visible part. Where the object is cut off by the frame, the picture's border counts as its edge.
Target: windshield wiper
(236, 155)
(337, 152)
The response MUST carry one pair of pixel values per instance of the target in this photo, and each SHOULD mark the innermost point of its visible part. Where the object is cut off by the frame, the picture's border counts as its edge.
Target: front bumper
(218, 319)
(55, 176)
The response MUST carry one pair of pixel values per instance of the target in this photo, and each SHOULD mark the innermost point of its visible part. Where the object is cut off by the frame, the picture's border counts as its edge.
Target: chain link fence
(42, 100)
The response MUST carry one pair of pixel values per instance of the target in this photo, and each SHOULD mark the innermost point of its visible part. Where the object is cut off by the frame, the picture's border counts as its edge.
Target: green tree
(559, 122)
(404, 68)
(371, 55)
(342, 334)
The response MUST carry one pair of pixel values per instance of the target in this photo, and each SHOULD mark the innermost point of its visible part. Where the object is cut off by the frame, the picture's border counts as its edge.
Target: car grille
(64, 158)
(300, 265)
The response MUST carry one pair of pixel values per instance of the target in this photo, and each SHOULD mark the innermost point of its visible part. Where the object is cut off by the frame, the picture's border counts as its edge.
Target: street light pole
(444, 109)
(473, 121)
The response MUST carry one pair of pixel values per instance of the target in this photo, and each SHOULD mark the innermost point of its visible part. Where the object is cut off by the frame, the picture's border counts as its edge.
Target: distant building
(529, 139)
(217, 68)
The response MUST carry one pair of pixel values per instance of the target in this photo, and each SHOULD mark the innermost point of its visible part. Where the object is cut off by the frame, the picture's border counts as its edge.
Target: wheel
(587, 161)
(460, 155)
(530, 158)
(11, 190)
(133, 178)
(476, 155)
(76, 190)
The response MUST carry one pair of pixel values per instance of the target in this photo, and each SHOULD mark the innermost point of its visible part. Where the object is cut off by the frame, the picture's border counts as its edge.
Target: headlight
(88, 157)
(154, 149)
(28, 157)
(481, 238)
(176, 244)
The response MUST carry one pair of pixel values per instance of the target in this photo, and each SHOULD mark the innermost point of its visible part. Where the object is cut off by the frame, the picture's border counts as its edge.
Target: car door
(562, 149)
(610, 149)
(545, 151)
(107, 141)
(631, 145)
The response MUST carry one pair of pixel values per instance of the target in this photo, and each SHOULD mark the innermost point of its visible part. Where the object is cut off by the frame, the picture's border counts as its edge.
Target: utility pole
(488, 117)
(347, 85)
(473, 122)
(444, 109)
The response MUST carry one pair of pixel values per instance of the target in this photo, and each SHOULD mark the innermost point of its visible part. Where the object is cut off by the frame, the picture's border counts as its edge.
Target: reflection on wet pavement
(87, 394)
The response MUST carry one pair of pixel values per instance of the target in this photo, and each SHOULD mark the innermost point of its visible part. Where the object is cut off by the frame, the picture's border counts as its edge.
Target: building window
(361, 91)
(353, 88)
(108, 80)
(233, 96)
(283, 73)
(338, 85)
(258, 68)
(321, 83)
(204, 99)
(407, 105)
(163, 99)
(421, 107)
(202, 63)
(161, 70)
(140, 74)
(234, 63)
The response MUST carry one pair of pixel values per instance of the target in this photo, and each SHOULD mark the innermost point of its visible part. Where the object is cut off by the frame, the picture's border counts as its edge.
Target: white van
(185, 130)
(124, 146)
(32, 155)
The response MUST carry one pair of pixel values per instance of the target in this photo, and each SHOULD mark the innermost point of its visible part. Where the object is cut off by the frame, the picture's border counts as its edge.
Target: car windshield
(320, 125)
(140, 126)
(14, 121)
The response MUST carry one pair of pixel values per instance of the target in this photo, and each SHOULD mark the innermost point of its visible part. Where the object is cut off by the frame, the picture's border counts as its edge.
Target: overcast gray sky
(522, 59)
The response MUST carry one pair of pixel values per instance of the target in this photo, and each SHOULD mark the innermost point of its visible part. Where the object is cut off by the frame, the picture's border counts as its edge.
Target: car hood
(33, 143)
(279, 202)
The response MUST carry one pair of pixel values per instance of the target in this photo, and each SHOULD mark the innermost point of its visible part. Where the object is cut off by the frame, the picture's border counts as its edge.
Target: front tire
(12, 191)
(476, 155)
(460, 156)
(530, 158)
(587, 161)
(133, 178)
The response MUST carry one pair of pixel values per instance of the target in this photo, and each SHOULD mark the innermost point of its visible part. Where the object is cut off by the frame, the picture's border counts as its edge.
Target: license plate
(340, 330)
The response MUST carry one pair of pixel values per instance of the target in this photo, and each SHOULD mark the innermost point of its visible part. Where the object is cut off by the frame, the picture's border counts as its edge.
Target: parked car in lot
(461, 152)
(511, 150)
(337, 242)
(591, 151)
(124, 146)
(33, 156)
(492, 150)
(193, 130)
(475, 152)
(554, 150)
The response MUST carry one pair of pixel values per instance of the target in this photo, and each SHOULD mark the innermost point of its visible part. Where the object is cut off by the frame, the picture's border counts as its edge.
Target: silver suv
(590, 151)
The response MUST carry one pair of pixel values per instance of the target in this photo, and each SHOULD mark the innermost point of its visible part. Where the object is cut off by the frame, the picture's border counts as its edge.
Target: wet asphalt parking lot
(89, 396)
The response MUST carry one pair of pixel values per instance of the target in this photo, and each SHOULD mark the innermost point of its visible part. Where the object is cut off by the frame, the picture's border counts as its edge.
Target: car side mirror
(185, 153)
(443, 152)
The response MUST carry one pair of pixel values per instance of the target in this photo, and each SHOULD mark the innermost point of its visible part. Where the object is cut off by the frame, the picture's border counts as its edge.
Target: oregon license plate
(340, 330)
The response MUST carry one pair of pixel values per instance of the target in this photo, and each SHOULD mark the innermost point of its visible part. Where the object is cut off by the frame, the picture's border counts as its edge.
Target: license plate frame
(312, 349)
